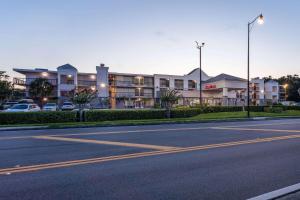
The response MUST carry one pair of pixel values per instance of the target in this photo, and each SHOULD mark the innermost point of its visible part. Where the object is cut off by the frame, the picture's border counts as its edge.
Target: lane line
(123, 144)
(258, 129)
(139, 155)
(141, 131)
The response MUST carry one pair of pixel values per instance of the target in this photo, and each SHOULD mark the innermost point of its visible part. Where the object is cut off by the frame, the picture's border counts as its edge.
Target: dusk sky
(151, 36)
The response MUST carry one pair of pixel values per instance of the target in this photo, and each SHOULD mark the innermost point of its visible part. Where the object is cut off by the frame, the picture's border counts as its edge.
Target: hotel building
(126, 90)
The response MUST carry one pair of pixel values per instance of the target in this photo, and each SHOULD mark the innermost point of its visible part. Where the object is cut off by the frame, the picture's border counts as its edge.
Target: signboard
(210, 86)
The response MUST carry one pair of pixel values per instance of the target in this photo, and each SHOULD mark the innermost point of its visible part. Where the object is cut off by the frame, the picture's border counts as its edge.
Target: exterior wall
(141, 91)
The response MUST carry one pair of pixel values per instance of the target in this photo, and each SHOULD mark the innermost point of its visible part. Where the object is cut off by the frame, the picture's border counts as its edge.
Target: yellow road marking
(138, 155)
(144, 130)
(258, 129)
(124, 144)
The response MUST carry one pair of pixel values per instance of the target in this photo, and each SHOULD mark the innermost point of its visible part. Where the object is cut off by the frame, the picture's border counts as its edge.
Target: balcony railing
(27, 81)
(130, 84)
(132, 95)
(86, 83)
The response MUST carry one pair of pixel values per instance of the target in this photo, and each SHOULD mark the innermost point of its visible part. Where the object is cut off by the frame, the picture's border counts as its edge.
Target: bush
(37, 117)
(107, 115)
(273, 109)
(185, 112)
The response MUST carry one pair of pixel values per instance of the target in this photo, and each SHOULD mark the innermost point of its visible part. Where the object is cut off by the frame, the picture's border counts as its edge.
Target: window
(139, 80)
(274, 89)
(164, 82)
(139, 92)
(67, 79)
(178, 84)
(192, 84)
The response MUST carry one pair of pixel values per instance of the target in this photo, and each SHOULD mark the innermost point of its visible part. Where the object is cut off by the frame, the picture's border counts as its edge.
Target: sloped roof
(196, 70)
(224, 77)
(67, 66)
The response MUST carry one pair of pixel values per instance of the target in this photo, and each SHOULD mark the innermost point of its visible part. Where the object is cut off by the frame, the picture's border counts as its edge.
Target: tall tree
(6, 87)
(40, 88)
(168, 99)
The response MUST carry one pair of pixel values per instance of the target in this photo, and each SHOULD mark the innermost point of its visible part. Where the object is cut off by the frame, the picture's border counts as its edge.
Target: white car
(24, 108)
(50, 107)
(68, 106)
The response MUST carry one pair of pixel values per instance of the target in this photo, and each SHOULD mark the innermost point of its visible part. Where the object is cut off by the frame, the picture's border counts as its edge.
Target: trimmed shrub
(185, 112)
(37, 117)
(107, 115)
(273, 109)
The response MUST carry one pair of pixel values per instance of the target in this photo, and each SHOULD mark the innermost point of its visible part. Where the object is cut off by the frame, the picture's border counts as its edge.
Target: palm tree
(39, 89)
(168, 99)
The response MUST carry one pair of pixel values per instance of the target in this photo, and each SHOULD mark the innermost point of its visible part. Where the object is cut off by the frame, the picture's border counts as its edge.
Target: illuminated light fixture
(93, 77)
(44, 74)
(69, 76)
(45, 99)
(102, 85)
(262, 91)
(260, 19)
(285, 86)
(139, 88)
(93, 88)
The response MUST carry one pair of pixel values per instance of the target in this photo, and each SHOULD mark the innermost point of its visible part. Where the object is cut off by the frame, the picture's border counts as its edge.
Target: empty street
(232, 160)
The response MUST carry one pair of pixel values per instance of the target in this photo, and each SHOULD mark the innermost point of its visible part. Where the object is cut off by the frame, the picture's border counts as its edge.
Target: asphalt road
(233, 160)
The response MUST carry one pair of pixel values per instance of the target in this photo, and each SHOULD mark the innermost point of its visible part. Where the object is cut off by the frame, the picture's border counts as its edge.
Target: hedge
(37, 117)
(108, 115)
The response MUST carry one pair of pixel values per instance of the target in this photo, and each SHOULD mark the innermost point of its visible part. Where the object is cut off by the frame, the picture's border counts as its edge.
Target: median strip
(139, 155)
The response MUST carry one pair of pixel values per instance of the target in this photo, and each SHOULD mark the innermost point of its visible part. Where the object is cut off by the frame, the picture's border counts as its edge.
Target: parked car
(8, 104)
(68, 106)
(25, 101)
(24, 108)
(50, 107)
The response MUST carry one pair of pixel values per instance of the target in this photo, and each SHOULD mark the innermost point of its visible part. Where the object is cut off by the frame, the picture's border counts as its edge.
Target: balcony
(86, 83)
(130, 84)
(27, 81)
(133, 95)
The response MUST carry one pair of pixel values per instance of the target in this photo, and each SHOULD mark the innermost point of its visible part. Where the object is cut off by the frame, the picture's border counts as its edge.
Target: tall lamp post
(260, 20)
(200, 80)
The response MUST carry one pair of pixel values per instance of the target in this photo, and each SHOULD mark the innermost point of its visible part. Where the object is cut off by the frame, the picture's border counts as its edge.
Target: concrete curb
(154, 123)
(278, 193)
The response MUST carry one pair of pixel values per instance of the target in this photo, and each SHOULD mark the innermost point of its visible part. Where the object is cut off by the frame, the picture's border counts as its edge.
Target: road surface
(232, 160)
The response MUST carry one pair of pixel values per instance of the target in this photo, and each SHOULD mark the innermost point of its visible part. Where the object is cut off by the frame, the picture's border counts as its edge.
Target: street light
(200, 81)
(260, 20)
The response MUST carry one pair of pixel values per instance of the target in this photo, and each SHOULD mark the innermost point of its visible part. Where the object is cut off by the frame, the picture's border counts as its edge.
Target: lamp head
(260, 19)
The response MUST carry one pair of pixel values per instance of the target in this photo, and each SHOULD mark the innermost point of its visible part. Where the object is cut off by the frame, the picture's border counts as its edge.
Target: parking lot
(233, 160)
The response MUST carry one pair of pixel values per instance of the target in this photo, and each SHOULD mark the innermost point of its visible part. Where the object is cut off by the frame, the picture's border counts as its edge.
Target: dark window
(192, 84)
(178, 84)
(164, 82)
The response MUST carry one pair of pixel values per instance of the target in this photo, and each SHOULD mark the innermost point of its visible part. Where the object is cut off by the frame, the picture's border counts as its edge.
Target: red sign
(210, 86)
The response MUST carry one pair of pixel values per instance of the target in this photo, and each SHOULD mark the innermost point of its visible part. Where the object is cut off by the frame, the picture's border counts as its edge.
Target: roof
(67, 66)
(224, 77)
(196, 70)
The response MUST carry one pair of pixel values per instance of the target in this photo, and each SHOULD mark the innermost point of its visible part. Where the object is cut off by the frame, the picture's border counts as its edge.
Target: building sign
(210, 86)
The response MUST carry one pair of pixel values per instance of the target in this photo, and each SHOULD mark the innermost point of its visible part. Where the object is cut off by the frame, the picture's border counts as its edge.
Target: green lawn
(199, 118)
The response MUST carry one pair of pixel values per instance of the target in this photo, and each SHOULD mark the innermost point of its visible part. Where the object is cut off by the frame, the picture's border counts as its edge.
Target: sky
(151, 36)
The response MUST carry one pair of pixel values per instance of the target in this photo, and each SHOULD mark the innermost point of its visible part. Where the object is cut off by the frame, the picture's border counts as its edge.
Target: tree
(6, 87)
(39, 89)
(168, 99)
(83, 97)
(293, 83)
